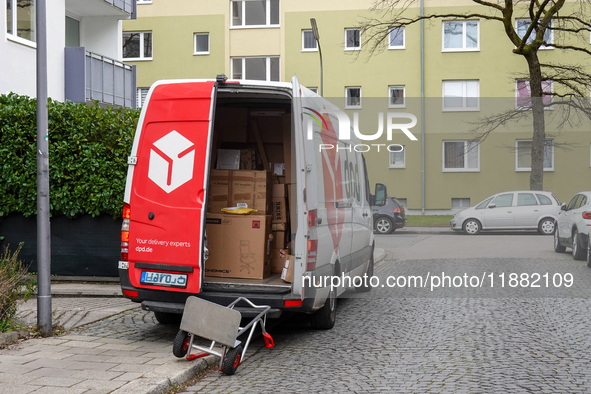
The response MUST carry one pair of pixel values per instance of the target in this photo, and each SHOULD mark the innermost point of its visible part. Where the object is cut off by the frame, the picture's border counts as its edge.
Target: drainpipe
(422, 112)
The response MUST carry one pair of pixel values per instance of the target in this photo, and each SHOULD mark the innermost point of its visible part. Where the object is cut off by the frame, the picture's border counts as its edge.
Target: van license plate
(162, 279)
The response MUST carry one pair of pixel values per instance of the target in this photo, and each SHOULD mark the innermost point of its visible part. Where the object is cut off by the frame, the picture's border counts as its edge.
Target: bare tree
(571, 81)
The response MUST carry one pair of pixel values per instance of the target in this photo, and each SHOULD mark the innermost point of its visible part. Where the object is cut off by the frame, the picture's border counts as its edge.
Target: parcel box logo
(172, 158)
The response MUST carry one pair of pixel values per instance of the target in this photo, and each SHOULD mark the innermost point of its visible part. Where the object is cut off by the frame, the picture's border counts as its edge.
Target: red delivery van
(175, 240)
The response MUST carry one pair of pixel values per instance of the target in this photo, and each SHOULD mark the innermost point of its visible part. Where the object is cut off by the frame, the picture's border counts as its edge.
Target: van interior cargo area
(251, 162)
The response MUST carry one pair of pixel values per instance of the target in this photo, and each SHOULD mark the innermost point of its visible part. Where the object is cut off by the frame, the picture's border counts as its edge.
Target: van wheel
(232, 360)
(325, 317)
(168, 318)
(181, 344)
(366, 287)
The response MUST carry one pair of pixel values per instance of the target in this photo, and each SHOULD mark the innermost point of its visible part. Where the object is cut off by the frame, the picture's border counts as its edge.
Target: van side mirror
(381, 194)
(563, 206)
(493, 205)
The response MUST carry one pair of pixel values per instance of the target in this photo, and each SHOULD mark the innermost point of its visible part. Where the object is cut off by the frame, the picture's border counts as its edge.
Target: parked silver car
(517, 210)
(572, 226)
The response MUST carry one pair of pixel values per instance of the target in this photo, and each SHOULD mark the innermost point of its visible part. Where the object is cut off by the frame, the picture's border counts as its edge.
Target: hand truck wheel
(181, 344)
(232, 360)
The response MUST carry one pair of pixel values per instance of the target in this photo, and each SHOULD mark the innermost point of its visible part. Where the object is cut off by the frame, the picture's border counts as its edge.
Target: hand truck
(218, 324)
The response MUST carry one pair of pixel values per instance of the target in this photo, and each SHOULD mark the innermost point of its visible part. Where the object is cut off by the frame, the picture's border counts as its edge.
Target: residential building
(84, 61)
(470, 72)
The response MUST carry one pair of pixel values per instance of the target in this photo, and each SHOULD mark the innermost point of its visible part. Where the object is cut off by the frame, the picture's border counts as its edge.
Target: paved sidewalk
(112, 347)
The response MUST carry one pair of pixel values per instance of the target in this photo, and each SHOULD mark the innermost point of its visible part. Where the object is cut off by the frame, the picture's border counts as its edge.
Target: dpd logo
(172, 158)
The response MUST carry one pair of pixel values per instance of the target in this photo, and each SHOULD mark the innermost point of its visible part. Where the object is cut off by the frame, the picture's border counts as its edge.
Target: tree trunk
(536, 179)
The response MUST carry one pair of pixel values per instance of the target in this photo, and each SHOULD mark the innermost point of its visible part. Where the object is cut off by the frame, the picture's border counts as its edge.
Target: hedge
(88, 149)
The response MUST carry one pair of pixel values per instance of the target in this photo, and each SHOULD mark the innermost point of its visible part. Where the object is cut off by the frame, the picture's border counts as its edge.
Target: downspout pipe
(422, 110)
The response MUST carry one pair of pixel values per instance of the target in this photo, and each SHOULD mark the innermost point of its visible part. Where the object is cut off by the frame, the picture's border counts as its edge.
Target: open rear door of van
(166, 189)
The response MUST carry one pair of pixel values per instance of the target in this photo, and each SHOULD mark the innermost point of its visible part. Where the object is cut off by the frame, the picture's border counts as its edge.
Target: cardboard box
(248, 159)
(219, 190)
(228, 159)
(250, 187)
(278, 191)
(227, 188)
(287, 273)
(279, 210)
(239, 246)
(279, 226)
(278, 240)
(278, 258)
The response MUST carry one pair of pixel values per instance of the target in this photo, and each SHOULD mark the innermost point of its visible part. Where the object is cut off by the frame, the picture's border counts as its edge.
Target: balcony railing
(90, 76)
(125, 5)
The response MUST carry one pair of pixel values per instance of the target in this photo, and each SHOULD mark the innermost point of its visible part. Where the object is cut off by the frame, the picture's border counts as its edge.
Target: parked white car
(572, 226)
(516, 210)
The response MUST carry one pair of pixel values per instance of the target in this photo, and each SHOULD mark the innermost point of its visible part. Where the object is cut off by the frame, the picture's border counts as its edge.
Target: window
(523, 94)
(256, 68)
(396, 94)
(314, 89)
(397, 158)
(255, 13)
(137, 45)
(523, 24)
(309, 43)
(396, 38)
(526, 199)
(461, 36)
(461, 156)
(460, 203)
(144, 1)
(483, 204)
(352, 39)
(201, 44)
(523, 155)
(353, 97)
(141, 96)
(20, 20)
(461, 95)
(503, 200)
(544, 200)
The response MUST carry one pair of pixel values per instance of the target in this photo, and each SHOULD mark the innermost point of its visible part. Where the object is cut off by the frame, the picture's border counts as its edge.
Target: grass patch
(428, 220)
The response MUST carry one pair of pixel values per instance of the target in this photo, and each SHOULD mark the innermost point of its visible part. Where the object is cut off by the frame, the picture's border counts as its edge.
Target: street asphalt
(98, 358)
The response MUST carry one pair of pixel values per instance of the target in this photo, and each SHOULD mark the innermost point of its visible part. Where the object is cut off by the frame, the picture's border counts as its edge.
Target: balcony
(90, 76)
(83, 8)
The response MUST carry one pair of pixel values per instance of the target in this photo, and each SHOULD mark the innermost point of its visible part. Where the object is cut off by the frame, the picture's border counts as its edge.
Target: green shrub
(88, 149)
(13, 285)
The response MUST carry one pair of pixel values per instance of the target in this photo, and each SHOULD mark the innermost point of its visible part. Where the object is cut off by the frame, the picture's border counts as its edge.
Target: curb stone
(12, 336)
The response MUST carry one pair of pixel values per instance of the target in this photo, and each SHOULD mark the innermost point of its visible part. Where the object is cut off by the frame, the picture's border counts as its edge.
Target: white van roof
(240, 81)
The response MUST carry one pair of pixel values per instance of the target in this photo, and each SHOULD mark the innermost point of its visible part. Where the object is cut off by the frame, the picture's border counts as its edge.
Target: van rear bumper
(174, 301)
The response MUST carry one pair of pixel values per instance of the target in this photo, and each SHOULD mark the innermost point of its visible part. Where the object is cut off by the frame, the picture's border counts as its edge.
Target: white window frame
(528, 169)
(142, 57)
(460, 200)
(267, 66)
(347, 106)
(465, 169)
(199, 53)
(463, 48)
(304, 49)
(14, 22)
(397, 165)
(244, 25)
(464, 107)
(542, 47)
(144, 1)
(352, 48)
(403, 46)
(390, 88)
(526, 108)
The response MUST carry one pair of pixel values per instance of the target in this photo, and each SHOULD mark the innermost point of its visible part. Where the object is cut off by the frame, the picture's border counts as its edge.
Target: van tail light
(312, 218)
(398, 210)
(125, 232)
(587, 215)
(311, 258)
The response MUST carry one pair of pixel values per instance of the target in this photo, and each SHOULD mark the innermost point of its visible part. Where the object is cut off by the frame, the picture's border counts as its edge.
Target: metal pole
(422, 112)
(317, 38)
(43, 228)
